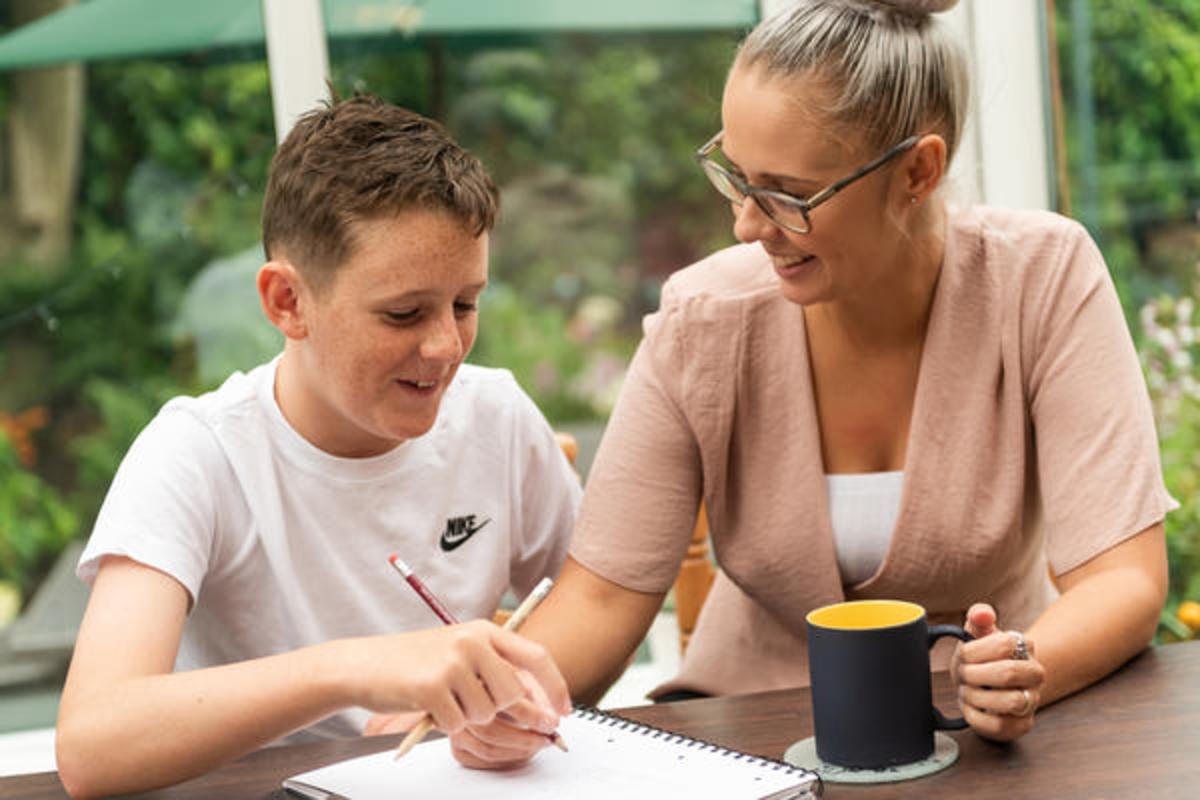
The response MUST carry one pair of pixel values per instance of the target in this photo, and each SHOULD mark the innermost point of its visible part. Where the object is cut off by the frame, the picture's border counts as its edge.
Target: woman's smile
(794, 266)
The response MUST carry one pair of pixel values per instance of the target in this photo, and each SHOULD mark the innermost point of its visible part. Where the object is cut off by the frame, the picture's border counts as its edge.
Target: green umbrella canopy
(102, 29)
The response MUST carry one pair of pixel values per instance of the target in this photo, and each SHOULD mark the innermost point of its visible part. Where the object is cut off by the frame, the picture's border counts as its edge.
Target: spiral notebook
(610, 758)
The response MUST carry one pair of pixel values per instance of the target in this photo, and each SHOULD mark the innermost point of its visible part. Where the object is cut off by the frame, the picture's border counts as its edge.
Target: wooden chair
(695, 578)
(697, 572)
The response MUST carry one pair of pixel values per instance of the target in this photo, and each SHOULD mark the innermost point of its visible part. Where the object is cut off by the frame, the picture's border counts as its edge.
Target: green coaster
(804, 754)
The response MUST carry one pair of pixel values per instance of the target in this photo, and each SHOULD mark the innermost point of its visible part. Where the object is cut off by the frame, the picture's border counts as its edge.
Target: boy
(240, 584)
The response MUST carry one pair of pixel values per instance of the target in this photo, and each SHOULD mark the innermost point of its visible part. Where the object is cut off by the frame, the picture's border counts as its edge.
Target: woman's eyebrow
(793, 179)
(773, 177)
(777, 179)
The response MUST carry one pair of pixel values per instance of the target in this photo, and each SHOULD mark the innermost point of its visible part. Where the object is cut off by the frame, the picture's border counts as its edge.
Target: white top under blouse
(863, 508)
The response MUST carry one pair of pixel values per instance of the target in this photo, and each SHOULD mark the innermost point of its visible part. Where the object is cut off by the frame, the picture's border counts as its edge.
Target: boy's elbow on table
(73, 764)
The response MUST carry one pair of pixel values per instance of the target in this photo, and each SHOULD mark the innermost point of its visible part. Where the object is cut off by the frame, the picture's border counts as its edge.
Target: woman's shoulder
(729, 276)
(984, 230)
(1027, 255)
(704, 308)
(1036, 269)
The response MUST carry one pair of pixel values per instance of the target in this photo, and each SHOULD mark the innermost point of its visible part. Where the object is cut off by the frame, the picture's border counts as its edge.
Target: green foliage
(1133, 151)
(571, 365)
(1181, 467)
(175, 159)
(1170, 354)
(565, 236)
(211, 124)
(35, 522)
(1142, 60)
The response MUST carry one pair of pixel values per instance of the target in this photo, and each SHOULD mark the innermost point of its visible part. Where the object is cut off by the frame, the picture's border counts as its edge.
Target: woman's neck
(894, 311)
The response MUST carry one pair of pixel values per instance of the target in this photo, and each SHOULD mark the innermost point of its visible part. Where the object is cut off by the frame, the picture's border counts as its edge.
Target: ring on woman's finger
(1020, 649)
(1026, 709)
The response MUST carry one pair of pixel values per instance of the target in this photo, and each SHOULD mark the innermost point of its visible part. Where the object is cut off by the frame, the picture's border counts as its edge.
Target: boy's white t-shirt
(282, 545)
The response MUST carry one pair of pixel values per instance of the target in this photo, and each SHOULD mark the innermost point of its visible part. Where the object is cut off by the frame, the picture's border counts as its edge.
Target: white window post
(1005, 157)
(297, 59)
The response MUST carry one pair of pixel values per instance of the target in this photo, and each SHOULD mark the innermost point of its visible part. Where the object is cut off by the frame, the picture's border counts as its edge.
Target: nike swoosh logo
(452, 539)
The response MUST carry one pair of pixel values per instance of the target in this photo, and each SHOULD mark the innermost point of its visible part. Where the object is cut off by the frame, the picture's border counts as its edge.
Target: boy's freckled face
(387, 335)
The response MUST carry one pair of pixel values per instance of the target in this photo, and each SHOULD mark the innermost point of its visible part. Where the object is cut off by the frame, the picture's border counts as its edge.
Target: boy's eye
(461, 309)
(401, 316)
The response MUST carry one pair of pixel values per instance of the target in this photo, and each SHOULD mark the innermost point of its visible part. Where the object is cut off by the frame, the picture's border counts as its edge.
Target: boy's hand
(461, 674)
(381, 724)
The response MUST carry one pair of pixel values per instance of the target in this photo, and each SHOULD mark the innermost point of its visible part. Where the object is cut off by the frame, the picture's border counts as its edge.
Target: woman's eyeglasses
(785, 210)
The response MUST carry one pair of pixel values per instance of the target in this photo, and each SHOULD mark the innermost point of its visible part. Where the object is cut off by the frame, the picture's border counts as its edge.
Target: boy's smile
(370, 355)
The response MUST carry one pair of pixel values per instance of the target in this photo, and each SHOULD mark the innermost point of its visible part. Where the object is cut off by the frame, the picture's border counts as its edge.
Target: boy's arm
(127, 723)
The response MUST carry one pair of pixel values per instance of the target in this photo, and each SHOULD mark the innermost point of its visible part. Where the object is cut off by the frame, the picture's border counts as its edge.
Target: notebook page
(609, 759)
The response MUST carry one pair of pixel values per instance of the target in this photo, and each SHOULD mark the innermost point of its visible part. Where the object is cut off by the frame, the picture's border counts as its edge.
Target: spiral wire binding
(700, 745)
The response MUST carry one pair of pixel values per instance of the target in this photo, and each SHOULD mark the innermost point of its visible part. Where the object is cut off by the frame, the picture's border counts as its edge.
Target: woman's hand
(512, 738)
(999, 681)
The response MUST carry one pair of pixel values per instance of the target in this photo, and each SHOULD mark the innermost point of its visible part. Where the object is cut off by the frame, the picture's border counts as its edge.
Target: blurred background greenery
(591, 139)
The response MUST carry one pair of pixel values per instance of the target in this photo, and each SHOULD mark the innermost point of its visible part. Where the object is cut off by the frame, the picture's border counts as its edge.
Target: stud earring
(912, 198)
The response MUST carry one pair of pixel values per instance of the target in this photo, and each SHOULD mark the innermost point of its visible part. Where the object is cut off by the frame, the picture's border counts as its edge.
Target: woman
(875, 395)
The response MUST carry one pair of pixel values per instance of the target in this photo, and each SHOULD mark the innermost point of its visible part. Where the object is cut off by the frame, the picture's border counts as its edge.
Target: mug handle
(940, 721)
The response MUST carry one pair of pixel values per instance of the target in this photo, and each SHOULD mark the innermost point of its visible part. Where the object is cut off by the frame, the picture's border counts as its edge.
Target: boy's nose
(442, 343)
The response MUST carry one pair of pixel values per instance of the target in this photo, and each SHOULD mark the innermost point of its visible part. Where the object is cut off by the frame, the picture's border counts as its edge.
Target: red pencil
(429, 597)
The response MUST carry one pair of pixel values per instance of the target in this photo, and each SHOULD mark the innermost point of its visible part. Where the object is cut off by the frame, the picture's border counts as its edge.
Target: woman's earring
(912, 198)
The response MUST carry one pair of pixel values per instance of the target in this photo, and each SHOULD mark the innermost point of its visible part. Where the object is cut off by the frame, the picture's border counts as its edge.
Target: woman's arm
(1099, 477)
(591, 627)
(128, 723)
(1107, 612)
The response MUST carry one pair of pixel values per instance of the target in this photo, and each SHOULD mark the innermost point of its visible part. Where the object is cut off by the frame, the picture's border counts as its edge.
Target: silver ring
(1027, 709)
(1020, 649)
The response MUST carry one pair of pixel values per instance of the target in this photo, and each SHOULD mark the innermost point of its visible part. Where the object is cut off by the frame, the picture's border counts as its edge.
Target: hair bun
(919, 7)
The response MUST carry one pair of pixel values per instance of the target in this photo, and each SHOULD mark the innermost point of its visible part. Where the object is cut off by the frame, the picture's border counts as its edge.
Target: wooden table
(1137, 734)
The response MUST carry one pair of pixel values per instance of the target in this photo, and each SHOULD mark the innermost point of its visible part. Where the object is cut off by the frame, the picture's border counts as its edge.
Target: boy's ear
(279, 292)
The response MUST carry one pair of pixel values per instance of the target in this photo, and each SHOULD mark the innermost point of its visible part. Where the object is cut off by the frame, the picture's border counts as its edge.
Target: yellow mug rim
(855, 615)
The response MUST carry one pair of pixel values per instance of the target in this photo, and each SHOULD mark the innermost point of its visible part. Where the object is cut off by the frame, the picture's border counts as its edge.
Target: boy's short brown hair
(359, 159)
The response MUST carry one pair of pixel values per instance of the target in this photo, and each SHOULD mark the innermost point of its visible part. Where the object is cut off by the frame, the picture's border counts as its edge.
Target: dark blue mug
(872, 695)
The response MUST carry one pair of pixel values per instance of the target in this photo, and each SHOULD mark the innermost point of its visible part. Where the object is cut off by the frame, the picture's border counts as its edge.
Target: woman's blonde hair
(890, 70)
